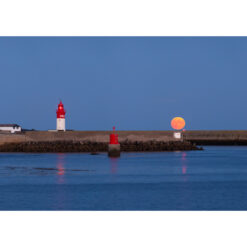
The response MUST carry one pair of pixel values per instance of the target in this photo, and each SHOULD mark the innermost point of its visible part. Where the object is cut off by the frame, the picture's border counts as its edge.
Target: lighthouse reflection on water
(60, 167)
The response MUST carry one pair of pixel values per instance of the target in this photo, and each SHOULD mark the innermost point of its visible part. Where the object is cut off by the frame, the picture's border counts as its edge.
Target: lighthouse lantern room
(60, 117)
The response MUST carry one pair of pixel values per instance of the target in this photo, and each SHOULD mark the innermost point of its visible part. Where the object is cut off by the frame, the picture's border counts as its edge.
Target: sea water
(213, 179)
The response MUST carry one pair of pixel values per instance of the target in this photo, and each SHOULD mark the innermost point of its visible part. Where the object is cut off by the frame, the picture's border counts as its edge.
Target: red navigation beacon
(114, 146)
(114, 137)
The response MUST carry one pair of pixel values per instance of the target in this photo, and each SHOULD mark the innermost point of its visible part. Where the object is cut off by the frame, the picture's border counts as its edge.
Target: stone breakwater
(199, 137)
(94, 147)
(217, 137)
(78, 136)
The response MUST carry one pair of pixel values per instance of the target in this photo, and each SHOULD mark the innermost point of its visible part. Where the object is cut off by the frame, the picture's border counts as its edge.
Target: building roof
(9, 125)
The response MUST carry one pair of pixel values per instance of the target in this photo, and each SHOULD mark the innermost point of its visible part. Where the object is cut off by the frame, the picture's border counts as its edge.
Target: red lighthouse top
(60, 110)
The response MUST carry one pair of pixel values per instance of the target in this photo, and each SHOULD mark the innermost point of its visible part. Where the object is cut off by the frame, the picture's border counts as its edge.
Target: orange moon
(177, 123)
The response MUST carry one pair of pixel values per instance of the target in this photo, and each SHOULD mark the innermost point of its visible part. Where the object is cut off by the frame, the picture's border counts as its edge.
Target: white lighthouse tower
(60, 117)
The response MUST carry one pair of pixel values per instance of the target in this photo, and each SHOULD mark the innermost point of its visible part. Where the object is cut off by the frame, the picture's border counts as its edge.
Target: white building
(12, 128)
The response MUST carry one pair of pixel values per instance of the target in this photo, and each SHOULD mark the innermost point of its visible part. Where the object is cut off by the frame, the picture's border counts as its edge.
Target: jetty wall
(92, 136)
(217, 137)
(199, 137)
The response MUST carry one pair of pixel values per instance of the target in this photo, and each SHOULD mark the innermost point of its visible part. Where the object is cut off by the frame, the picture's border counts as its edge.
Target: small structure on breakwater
(114, 146)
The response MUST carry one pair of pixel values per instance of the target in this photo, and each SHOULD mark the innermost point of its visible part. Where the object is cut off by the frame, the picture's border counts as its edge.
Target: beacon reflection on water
(60, 167)
(114, 164)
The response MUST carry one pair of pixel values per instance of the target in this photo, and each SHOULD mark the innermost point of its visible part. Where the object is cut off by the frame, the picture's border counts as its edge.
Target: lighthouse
(60, 117)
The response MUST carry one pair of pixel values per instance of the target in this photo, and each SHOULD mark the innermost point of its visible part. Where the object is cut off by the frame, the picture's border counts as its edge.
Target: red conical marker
(114, 137)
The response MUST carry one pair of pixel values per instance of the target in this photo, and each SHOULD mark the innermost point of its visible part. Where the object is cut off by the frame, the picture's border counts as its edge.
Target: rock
(95, 147)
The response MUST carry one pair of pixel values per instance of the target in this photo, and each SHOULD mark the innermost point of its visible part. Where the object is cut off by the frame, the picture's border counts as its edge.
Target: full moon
(177, 123)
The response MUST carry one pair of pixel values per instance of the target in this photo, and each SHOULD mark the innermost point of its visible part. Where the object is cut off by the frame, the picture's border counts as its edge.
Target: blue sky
(135, 83)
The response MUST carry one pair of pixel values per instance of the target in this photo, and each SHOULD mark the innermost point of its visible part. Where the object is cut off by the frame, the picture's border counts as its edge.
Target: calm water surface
(213, 179)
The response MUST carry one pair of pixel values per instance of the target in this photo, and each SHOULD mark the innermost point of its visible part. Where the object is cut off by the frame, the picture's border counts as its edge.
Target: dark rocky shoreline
(94, 147)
